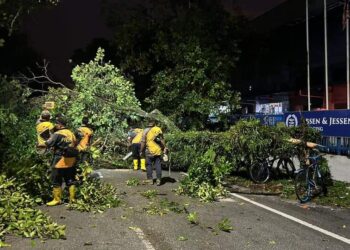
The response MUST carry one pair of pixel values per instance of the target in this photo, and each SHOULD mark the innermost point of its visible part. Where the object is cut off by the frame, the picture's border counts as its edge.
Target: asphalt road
(130, 227)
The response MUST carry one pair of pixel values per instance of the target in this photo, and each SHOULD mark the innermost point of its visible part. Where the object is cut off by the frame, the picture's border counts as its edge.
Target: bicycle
(287, 164)
(309, 181)
(260, 172)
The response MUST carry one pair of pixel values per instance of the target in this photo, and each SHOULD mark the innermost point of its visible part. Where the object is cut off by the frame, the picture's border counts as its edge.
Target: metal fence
(337, 145)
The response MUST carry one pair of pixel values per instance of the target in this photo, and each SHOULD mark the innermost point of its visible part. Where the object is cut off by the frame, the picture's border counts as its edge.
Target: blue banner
(270, 120)
(329, 123)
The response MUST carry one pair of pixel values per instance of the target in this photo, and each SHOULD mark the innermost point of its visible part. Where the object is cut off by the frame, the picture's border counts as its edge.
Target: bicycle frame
(314, 169)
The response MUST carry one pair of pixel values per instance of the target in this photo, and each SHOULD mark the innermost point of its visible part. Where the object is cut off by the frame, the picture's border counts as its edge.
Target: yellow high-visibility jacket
(84, 136)
(61, 141)
(138, 137)
(151, 145)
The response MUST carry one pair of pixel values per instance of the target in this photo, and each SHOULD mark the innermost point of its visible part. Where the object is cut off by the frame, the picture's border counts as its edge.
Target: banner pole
(347, 58)
(325, 51)
(308, 55)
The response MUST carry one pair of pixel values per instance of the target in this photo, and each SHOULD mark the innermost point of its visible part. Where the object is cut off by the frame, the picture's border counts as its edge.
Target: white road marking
(304, 223)
(227, 200)
(142, 237)
(118, 170)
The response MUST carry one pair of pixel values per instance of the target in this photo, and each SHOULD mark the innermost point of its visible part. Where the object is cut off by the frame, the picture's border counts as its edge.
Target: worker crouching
(63, 143)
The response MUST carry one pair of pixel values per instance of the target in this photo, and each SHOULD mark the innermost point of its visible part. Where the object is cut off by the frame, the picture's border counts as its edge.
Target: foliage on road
(150, 194)
(164, 206)
(204, 178)
(209, 157)
(225, 225)
(19, 215)
(133, 182)
(193, 218)
(95, 196)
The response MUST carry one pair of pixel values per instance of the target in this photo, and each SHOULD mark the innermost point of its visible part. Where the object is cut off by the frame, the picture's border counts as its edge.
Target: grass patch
(338, 195)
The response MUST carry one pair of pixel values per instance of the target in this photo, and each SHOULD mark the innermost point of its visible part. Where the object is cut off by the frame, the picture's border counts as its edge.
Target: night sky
(56, 33)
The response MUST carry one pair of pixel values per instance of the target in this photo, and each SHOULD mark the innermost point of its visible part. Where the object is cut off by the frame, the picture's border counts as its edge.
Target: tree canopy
(180, 56)
(12, 12)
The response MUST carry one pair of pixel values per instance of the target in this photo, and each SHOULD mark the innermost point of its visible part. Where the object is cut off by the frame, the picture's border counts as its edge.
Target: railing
(337, 145)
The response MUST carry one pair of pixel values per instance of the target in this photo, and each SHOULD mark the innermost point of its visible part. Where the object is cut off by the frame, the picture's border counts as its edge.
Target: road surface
(254, 226)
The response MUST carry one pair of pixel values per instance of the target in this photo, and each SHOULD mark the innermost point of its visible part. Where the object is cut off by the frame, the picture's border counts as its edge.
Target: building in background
(273, 63)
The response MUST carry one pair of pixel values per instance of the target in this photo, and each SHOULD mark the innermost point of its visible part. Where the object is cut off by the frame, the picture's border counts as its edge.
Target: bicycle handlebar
(315, 158)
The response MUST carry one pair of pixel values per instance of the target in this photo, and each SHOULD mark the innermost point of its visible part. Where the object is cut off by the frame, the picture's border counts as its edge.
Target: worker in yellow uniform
(63, 143)
(84, 136)
(44, 129)
(153, 145)
(134, 138)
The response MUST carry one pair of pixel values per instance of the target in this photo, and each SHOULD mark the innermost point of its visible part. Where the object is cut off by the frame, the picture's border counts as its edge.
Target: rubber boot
(136, 164)
(72, 194)
(57, 195)
(143, 164)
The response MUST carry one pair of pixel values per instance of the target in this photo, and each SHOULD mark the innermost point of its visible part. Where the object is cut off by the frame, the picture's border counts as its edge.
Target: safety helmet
(45, 115)
(61, 119)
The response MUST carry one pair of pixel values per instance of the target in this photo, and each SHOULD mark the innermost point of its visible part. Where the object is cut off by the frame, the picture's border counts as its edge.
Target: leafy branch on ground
(95, 196)
(182, 238)
(18, 214)
(164, 206)
(133, 182)
(149, 194)
(203, 180)
(225, 225)
(193, 218)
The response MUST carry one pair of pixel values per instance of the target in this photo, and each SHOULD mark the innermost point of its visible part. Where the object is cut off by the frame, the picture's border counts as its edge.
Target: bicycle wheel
(260, 172)
(288, 165)
(302, 186)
